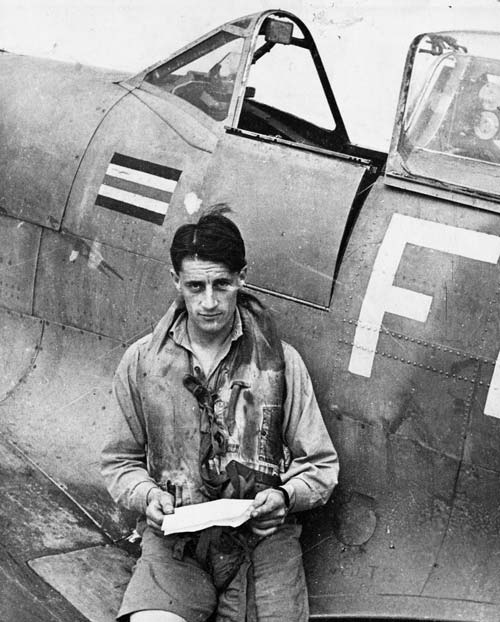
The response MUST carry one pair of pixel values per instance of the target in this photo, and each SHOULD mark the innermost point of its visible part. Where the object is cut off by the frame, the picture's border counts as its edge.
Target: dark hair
(213, 238)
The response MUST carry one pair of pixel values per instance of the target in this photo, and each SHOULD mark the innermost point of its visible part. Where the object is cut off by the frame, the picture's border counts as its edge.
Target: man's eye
(194, 287)
(224, 284)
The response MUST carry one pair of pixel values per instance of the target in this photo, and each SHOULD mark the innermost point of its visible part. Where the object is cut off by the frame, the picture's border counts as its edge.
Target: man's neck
(208, 341)
(207, 348)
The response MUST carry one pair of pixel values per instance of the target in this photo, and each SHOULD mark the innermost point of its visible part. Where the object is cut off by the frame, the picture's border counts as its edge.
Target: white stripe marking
(139, 177)
(160, 207)
(404, 302)
(382, 296)
(492, 406)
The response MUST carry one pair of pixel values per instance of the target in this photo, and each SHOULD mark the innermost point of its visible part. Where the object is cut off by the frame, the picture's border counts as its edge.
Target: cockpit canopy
(448, 130)
(261, 74)
(204, 75)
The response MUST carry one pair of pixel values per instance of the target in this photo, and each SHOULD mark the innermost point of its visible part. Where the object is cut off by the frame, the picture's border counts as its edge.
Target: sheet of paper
(223, 512)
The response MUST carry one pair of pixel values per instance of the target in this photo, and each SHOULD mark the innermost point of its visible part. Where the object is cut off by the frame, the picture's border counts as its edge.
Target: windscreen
(451, 123)
(204, 76)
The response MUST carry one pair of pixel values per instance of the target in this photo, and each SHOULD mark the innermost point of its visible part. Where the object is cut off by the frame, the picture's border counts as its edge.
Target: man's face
(209, 290)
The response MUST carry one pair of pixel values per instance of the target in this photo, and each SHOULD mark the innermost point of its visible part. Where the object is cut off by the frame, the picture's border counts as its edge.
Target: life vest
(201, 437)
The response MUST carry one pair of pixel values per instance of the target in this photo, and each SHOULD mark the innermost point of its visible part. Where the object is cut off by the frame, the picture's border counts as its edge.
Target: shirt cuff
(290, 488)
(301, 495)
(140, 495)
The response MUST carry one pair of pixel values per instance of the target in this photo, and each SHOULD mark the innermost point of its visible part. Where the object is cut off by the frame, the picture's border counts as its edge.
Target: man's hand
(268, 512)
(159, 504)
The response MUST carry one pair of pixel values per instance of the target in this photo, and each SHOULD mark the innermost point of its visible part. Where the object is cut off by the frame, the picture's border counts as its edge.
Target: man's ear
(243, 276)
(175, 278)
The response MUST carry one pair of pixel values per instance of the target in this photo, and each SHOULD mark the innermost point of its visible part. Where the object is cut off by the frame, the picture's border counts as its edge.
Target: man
(213, 405)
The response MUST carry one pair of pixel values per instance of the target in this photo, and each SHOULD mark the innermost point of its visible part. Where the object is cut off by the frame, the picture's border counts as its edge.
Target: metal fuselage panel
(49, 111)
(19, 247)
(80, 280)
(142, 131)
(414, 522)
(291, 205)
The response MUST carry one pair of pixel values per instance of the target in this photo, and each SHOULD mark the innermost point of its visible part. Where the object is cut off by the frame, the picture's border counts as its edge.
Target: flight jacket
(154, 423)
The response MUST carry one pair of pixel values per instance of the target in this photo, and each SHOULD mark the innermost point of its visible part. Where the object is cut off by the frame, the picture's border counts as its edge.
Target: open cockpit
(262, 75)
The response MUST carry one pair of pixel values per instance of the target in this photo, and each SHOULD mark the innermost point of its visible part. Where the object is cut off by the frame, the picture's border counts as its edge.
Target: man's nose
(209, 299)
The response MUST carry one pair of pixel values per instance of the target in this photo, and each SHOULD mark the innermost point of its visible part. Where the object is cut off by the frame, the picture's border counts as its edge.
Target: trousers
(182, 586)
